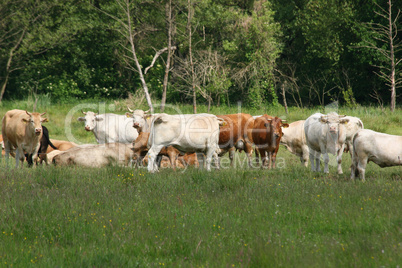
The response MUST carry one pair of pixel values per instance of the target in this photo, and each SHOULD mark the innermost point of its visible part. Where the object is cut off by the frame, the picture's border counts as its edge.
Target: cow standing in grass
(236, 134)
(22, 130)
(266, 134)
(109, 128)
(383, 149)
(325, 134)
(294, 139)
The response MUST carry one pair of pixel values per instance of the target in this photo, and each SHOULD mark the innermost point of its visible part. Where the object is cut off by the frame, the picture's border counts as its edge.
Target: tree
(30, 28)
(386, 33)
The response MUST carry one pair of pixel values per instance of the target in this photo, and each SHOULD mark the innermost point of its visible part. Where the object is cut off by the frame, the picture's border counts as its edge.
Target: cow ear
(129, 115)
(44, 120)
(285, 125)
(323, 119)
(266, 125)
(25, 120)
(344, 121)
(81, 118)
(97, 118)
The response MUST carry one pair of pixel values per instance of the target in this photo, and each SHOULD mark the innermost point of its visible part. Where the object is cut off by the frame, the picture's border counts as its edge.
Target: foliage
(73, 49)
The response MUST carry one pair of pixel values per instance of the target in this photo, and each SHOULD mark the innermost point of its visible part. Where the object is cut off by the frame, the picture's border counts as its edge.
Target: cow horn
(147, 111)
(42, 114)
(28, 113)
(131, 111)
(340, 116)
(284, 120)
(83, 112)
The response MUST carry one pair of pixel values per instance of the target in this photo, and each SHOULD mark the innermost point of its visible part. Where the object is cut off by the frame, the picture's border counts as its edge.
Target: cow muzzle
(136, 125)
(38, 131)
(87, 128)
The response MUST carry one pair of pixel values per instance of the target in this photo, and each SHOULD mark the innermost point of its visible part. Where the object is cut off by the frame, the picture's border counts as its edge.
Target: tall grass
(234, 217)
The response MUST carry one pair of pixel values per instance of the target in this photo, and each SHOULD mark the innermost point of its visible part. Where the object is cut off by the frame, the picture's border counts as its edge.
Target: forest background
(210, 52)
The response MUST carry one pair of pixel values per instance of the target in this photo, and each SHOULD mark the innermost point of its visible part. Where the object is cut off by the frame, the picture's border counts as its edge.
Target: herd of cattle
(137, 137)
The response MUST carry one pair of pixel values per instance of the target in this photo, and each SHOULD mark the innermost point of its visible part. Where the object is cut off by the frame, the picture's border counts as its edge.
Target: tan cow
(294, 139)
(22, 130)
(96, 155)
(61, 145)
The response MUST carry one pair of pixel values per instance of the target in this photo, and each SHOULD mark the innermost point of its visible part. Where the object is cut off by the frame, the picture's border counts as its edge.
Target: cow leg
(172, 158)
(249, 152)
(270, 159)
(264, 158)
(152, 154)
(209, 153)
(7, 148)
(361, 167)
(326, 161)
(314, 160)
(339, 158)
(231, 155)
(257, 156)
(305, 155)
(216, 160)
(19, 156)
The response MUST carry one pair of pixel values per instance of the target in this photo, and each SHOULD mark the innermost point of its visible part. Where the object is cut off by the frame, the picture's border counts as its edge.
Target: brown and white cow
(96, 155)
(140, 149)
(383, 149)
(294, 139)
(266, 135)
(22, 130)
(325, 134)
(236, 134)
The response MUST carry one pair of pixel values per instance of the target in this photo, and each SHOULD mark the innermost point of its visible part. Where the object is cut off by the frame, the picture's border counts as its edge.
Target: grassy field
(239, 217)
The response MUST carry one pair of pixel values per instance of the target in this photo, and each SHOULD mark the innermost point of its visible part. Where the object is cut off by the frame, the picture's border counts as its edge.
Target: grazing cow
(325, 134)
(383, 149)
(187, 133)
(96, 155)
(266, 135)
(236, 134)
(44, 144)
(61, 145)
(22, 130)
(354, 125)
(110, 128)
(294, 139)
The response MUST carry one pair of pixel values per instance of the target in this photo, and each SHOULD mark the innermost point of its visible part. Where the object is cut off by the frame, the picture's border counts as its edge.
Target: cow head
(275, 125)
(90, 120)
(333, 120)
(34, 122)
(139, 117)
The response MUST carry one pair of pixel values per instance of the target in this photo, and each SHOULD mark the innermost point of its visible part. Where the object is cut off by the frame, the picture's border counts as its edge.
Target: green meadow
(232, 217)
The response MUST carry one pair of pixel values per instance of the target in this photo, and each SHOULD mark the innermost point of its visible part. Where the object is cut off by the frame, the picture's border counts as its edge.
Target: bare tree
(190, 51)
(129, 34)
(289, 79)
(387, 34)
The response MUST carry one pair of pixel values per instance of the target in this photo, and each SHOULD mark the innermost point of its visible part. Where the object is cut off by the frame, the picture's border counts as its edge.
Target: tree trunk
(8, 66)
(190, 15)
(284, 98)
(137, 64)
(169, 56)
(392, 56)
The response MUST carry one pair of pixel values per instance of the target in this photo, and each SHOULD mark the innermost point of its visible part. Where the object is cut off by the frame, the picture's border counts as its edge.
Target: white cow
(96, 155)
(109, 128)
(325, 134)
(354, 125)
(383, 149)
(22, 131)
(294, 139)
(187, 133)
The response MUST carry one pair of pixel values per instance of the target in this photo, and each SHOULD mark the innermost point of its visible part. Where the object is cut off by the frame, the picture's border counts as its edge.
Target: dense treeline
(215, 52)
